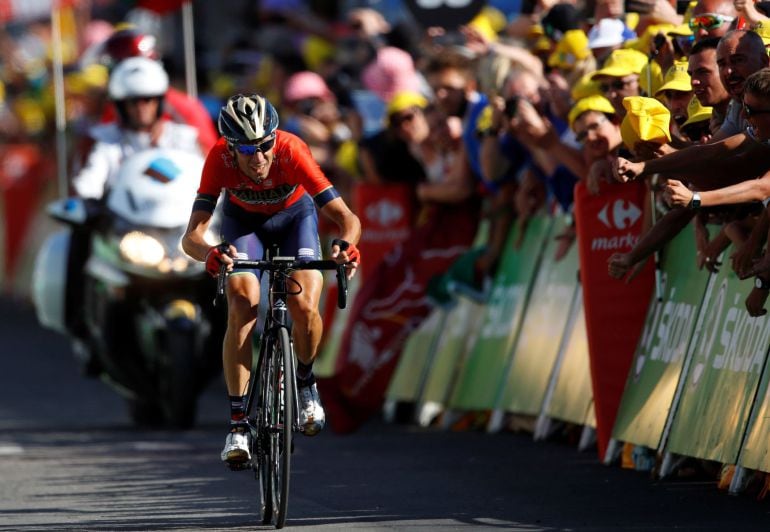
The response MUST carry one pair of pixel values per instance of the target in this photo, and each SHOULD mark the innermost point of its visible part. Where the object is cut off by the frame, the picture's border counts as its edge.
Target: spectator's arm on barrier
(743, 192)
(700, 163)
(660, 233)
(745, 259)
(755, 301)
(712, 251)
(600, 170)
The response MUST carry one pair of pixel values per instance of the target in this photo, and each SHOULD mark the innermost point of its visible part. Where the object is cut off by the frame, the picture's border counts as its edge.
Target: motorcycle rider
(271, 182)
(126, 42)
(137, 86)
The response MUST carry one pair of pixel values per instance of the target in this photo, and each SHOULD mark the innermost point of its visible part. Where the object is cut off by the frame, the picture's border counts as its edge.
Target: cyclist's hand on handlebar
(219, 255)
(346, 253)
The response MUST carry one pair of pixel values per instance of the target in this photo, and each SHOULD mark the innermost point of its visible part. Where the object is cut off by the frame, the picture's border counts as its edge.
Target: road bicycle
(273, 406)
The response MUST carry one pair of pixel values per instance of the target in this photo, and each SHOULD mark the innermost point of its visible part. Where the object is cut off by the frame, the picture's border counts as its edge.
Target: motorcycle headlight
(142, 249)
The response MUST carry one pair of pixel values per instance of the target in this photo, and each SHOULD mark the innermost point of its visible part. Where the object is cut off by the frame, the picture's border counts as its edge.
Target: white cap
(607, 32)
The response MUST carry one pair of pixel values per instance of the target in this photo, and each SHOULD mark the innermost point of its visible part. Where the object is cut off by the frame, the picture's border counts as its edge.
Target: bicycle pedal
(242, 466)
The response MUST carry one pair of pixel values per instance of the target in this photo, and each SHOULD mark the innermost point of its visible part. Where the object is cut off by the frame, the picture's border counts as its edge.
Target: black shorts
(294, 231)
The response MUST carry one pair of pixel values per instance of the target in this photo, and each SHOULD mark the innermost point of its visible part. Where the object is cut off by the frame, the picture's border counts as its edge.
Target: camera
(511, 106)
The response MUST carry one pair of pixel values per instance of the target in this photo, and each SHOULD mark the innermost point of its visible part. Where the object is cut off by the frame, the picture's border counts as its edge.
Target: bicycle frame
(273, 420)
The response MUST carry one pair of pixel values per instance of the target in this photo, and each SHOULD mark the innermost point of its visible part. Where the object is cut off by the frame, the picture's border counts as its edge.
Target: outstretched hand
(677, 194)
(620, 264)
(624, 170)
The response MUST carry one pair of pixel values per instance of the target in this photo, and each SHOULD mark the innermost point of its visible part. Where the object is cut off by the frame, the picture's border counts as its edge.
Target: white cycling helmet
(247, 119)
(137, 77)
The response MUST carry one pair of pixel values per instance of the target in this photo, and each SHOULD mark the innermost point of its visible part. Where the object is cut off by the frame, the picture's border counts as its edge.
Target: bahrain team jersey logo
(270, 196)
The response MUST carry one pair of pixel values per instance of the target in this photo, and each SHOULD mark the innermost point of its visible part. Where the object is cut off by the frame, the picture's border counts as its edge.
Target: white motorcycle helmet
(137, 77)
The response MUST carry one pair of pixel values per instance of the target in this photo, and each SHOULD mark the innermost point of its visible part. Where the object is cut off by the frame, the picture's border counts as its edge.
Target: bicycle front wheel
(281, 419)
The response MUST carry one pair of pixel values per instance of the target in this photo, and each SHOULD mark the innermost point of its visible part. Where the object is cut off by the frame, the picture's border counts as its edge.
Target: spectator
(619, 77)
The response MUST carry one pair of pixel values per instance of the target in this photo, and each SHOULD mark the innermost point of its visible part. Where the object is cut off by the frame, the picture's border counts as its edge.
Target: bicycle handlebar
(287, 264)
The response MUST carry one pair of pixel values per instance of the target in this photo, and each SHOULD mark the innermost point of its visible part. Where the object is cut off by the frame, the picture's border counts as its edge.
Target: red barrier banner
(386, 219)
(608, 223)
(23, 172)
(391, 302)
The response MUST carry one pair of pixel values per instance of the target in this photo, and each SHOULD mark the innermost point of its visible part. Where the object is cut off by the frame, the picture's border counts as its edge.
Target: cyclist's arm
(348, 223)
(193, 241)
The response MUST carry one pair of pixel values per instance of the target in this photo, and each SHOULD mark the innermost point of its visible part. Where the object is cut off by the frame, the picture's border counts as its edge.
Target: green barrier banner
(572, 399)
(723, 375)
(456, 339)
(482, 376)
(545, 318)
(409, 374)
(755, 453)
(660, 354)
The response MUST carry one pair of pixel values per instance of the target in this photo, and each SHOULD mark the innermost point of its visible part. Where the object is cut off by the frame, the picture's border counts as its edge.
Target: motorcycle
(143, 317)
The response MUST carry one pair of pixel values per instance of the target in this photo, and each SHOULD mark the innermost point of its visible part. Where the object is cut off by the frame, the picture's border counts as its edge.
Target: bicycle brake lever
(342, 286)
(220, 284)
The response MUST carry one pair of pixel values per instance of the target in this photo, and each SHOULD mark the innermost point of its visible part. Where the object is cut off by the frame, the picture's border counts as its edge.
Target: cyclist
(271, 182)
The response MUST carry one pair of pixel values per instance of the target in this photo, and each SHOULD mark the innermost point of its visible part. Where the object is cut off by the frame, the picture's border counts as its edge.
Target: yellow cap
(646, 120)
(92, 77)
(572, 47)
(542, 44)
(677, 79)
(697, 112)
(585, 87)
(596, 103)
(404, 100)
(488, 22)
(315, 51)
(763, 30)
(621, 63)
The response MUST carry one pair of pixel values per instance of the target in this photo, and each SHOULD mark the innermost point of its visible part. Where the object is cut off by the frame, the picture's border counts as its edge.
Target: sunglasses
(397, 120)
(750, 111)
(709, 21)
(583, 135)
(616, 85)
(251, 149)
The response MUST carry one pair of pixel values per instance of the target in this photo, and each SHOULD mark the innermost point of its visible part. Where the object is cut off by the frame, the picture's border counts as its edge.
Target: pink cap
(304, 85)
(391, 71)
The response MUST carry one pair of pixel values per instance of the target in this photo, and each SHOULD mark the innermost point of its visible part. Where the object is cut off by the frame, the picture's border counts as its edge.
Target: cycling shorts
(294, 231)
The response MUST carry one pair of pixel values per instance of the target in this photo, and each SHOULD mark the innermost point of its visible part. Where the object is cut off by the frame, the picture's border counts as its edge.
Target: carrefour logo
(384, 212)
(624, 214)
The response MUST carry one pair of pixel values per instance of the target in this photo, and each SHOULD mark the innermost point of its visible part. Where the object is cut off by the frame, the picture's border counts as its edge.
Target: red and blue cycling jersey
(293, 173)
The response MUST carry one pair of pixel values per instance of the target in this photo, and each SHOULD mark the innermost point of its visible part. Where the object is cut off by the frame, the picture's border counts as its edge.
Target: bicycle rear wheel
(275, 468)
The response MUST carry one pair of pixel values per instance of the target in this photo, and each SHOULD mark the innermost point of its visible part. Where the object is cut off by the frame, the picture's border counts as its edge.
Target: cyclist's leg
(302, 241)
(242, 311)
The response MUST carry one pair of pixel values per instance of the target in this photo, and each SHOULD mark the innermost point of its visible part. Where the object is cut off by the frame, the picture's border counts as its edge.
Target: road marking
(10, 449)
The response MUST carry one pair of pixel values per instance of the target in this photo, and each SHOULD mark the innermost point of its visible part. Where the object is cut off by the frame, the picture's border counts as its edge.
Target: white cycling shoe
(236, 449)
(311, 414)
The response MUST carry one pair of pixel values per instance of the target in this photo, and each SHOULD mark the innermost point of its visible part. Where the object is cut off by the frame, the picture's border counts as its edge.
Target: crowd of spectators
(513, 108)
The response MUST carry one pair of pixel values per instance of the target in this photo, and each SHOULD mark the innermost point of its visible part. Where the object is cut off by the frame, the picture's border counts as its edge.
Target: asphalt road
(70, 460)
